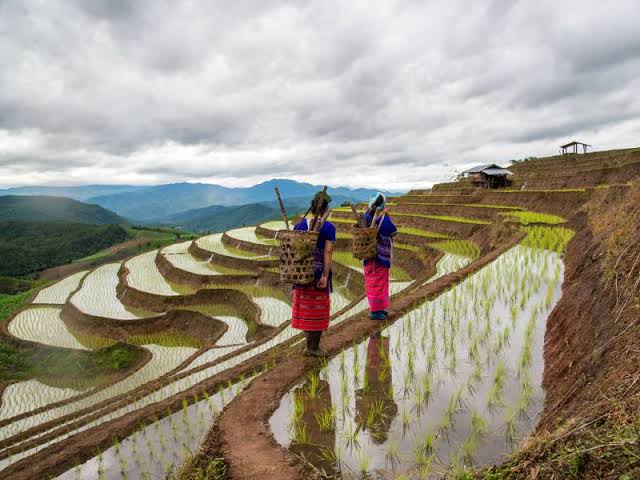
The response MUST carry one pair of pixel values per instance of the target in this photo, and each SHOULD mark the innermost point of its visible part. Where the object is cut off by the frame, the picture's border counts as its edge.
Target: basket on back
(365, 242)
(297, 256)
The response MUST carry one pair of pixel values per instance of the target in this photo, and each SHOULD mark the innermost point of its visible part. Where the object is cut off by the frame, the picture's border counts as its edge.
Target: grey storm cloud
(395, 93)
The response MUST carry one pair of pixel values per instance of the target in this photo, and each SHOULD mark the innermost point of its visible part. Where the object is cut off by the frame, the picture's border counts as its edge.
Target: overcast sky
(356, 93)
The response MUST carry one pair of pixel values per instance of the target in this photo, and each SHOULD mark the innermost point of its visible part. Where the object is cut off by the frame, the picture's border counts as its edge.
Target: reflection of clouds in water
(451, 348)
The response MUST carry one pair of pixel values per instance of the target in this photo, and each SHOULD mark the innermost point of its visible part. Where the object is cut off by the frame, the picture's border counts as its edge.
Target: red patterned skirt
(311, 308)
(376, 283)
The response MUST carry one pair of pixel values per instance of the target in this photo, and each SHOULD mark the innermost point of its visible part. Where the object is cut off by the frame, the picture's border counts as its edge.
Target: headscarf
(377, 198)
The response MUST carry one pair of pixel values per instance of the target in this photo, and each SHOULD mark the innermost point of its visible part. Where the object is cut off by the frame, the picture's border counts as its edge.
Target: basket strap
(381, 220)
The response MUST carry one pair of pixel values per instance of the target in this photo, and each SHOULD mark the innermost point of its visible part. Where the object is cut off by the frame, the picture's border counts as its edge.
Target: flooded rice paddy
(453, 383)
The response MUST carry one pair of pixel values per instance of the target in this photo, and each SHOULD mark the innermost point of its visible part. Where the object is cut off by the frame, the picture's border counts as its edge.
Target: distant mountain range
(54, 209)
(218, 218)
(193, 203)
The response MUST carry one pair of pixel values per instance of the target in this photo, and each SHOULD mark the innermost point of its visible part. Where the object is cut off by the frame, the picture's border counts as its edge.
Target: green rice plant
(375, 413)
(527, 395)
(445, 218)
(464, 248)
(364, 461)
(326, 419)
(313, 385)
(298, 409)
(301, 434)
(495, 394)
(510, 426)
(421, 232)
(469, 447)
(407, 419)
(392, 453)
(479, 424)
(351, 435)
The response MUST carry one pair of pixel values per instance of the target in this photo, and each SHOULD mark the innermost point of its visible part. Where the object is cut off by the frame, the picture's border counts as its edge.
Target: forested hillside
(54, 209)
(29, 247)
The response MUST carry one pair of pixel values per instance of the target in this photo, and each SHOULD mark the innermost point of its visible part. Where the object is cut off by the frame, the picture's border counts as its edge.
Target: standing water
(455, 383)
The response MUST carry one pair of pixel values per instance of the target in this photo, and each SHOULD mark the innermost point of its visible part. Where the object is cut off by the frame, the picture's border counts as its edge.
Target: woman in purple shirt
(376, 270)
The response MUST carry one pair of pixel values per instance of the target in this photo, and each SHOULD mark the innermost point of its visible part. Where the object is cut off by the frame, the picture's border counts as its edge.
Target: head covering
(377, 199)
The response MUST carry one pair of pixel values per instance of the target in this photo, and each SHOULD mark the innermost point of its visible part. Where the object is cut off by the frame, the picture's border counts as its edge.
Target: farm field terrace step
(44, 325)
(155, 450)
(164, 360)
(97, 295)
(58, 293)
(435, 391)
(180, 257)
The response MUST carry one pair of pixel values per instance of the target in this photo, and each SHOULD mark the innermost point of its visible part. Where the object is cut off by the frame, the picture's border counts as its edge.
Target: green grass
(526, 218)
(465, 248)
(10, 304)
(422, 233)
(479, 205)
(446, 218)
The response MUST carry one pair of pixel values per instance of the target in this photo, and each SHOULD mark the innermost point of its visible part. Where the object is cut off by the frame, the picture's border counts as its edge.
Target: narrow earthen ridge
(259, 248)
(183, 277)
(243, 434)
(231, 262)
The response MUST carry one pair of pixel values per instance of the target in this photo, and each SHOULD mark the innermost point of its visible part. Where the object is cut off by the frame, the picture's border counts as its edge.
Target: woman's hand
(322, 281)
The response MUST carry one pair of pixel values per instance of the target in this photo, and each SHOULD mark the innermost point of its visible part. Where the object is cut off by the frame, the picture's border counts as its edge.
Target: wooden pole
(357, 216)
(315, 215)
(284, 214)
(318, 226)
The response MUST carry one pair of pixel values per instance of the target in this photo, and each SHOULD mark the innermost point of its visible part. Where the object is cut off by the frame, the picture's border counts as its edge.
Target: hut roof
(496, 171)
(571, 144)
(480, 168)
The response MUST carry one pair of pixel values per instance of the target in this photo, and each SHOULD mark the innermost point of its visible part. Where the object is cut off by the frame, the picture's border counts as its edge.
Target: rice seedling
(326, 419)
(469, 447)
(301, 434)
(510, 427)
(313, 385)
(351, 435)
(364, 461)
(392, 452)
(479, 424)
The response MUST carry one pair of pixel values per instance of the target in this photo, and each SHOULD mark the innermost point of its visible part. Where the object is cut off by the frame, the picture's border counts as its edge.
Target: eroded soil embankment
(243, 435)
(590, 427)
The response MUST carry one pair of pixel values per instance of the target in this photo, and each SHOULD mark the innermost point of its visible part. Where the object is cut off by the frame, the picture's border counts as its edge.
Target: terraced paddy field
(484, 354)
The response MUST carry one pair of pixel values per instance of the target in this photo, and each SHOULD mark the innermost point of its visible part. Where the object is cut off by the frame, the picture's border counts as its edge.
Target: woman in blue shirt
(311, 303)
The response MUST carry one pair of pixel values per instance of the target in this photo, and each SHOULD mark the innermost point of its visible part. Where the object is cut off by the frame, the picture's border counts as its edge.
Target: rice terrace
(510, 350)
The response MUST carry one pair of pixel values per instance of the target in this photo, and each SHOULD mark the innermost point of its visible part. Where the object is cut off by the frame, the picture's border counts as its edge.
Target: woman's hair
(320, 203)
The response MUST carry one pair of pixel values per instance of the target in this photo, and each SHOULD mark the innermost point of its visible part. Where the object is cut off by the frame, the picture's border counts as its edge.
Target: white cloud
(400, 94)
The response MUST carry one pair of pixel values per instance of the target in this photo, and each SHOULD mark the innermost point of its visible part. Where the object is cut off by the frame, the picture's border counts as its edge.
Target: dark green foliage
(11, 286)
(29, 247)
(54, 209)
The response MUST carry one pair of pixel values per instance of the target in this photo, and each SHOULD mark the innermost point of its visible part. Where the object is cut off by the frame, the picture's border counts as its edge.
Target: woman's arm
(328, 253)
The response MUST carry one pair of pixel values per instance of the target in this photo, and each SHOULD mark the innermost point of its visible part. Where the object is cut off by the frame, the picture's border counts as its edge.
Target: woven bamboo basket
(297, 256)
(365, 242)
